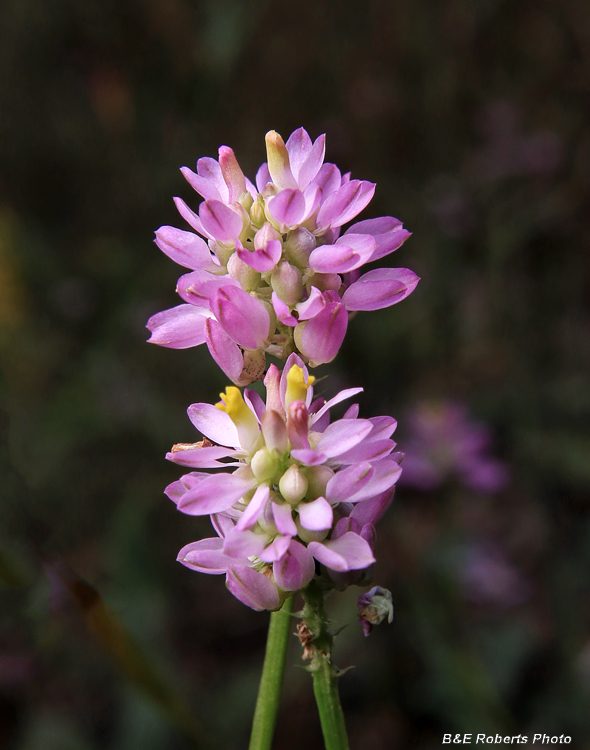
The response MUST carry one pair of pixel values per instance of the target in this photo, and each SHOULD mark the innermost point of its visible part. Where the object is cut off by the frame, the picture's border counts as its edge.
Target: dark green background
(441, 104)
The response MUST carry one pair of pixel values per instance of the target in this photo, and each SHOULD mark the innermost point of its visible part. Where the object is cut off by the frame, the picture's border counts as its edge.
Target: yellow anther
(296, 385)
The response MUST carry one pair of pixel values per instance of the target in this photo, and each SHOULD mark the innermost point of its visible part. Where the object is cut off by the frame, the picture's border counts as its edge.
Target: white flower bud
(293, 485)
(248, 278)
(317, 479)
(264, 465)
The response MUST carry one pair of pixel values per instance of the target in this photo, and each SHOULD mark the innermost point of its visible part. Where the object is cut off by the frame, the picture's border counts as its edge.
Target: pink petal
(349, 481)
(317, 515)
(244, 318)
(298, 147)
(185, 248)
(220, 221)
(275, 550)
(178, 328)
(191, 217)
(342, 396)
(295, 568)
(388, 232)
(205, 556)
(308, 457)
(345, 203)
(262, 177)
(254, 508)
(347, 254)
(243, 543)
(287, 208)
(322, 336)
(216, 493)
(283, 311)
(349, 552)
(328, 179)
(380, 288)
(368, 450)
(255, 402)
(371, 510)
(252, 588)
(264, 259)
(343, 435)
(383, 427)
(201, 458)
(312, 164)
(214, 424)
(198, 287)
(387, 472)
(313, 305)
(283, 517)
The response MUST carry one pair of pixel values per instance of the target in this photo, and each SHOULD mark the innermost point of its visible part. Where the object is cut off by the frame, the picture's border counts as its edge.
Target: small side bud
(248, 278)
(274, 431)
(299, 245)
(374, 607)
(317, 479)
(287, 282)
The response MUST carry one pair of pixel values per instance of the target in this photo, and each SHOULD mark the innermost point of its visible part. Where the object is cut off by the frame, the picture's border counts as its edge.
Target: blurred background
(473, 120)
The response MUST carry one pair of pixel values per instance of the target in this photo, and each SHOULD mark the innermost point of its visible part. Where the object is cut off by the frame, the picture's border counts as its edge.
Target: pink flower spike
(348, 552)
(178, 328)
(295, 568)
(224, 351)
(220, 221)
(252, 588)
(380, 288)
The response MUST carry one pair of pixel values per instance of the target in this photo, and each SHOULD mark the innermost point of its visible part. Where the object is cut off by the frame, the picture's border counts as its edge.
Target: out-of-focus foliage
(472, 117)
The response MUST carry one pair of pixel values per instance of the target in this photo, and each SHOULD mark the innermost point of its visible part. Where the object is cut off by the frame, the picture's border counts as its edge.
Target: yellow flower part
(233, 404)
(296, 385)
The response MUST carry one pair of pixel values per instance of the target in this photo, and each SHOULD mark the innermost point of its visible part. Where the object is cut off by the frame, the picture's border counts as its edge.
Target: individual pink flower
(295, 489)
(444, 443)
(272, 271)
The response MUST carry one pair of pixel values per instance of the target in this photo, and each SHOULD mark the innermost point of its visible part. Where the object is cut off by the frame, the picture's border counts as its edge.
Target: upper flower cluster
(301, 488)
(274, 273)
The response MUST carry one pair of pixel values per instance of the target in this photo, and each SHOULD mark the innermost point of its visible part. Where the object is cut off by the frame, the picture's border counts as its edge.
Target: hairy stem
(269, 692)
(317, 641)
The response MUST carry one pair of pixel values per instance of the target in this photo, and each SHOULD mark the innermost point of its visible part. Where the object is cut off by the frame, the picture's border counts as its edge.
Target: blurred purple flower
(301, 491)
(445, 444)
(271, 271)
(487, 576)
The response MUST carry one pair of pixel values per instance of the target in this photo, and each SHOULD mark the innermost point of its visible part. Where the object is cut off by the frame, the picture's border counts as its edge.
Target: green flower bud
(263, 464)
(248, 278)
(286, 281)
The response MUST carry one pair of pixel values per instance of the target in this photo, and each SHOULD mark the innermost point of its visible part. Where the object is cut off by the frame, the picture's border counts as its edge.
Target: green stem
(318, 640)
(269, 692)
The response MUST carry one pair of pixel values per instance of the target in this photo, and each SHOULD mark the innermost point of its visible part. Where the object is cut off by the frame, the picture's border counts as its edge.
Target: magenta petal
(298, 147)
(317, 515)
(282, 311)
(214, 424)
(262, 177)
(383, 427)
(185, 248)
(216, 493)
(243, 543)
(191, 217)
(348, 552)
(255, 402)
(345, 203)
(388, 232)
(348, 481)
(220, 221)
(205, 556)
(178, 328)
(295, 569)
(343, 435)
(371, 510)
(254, 508)
(207, 181)
(284, 519)
(222, 524)
(252, 588)
(328, 179)
(263, 259)
(323, 335)
(200, 458)
(242, 316)
(287, 208)
(224, 351)
(198, 287)
(380, 288)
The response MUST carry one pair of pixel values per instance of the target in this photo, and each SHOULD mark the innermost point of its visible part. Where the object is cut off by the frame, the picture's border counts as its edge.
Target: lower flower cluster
(302, 494)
